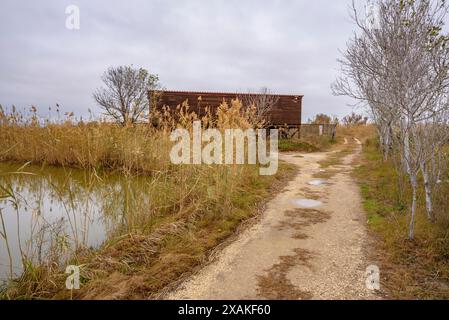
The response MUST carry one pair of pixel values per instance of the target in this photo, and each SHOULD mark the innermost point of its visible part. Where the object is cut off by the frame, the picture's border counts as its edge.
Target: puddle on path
(316, 182)
(307, 203)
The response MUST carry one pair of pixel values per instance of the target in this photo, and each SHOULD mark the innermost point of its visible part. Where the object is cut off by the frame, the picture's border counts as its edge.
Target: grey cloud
(289, 46)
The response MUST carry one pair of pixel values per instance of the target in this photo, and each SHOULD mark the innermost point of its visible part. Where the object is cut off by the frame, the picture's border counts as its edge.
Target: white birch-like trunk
(428, 190)
(413, 181)
(387, 143)
(406, 155)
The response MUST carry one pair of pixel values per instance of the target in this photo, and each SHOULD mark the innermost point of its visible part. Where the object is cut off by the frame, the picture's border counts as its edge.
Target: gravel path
(295, 252)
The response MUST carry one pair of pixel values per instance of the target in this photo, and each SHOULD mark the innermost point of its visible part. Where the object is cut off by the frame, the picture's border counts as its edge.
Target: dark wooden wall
(286, 112)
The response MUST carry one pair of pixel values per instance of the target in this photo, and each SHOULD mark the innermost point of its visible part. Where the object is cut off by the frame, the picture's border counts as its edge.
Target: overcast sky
(290, 46)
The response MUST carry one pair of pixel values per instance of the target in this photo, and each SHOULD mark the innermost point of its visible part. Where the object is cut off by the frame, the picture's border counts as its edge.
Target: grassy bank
(324, 143)
(307, 144)
(287, 145)
(166, 233)
(409, 270)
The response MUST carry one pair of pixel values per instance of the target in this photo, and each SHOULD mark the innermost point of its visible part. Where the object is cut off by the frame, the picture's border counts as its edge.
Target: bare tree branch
(124, 96)
(263, 103)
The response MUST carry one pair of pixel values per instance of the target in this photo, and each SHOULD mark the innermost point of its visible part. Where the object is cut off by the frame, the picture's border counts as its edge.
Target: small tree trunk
(413, 181)
(406, 156)
(387, 145)
(428, 190)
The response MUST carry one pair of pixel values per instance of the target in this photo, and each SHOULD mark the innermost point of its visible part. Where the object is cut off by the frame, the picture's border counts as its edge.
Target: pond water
(48, 211)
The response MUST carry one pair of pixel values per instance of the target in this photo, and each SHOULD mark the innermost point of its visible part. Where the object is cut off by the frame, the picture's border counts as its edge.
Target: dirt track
(295, 252)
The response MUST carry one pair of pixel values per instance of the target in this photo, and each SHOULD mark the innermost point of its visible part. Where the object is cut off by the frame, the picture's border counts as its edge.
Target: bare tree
(399, 70)
(354, 119)
(263, 102)
(124, 96)
(322, 118)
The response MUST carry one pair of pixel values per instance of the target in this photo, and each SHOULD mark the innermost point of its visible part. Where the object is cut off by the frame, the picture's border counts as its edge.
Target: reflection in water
(48, 213)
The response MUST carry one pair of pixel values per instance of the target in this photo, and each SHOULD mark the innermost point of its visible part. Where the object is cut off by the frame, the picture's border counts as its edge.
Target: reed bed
(100, 144)
(167, 228)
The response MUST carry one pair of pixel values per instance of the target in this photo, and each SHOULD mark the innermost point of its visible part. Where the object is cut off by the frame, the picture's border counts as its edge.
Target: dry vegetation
(99, 145)
(416, 269)
(192, 208)
(309, 144)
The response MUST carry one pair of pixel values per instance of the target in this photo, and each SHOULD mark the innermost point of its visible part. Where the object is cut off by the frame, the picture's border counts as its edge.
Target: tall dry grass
(142, 148)
(166, 232)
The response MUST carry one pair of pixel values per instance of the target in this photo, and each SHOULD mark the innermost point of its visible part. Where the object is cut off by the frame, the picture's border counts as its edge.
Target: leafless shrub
(322, 118)
(354, 119)
(125, 95)
(263, 102)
